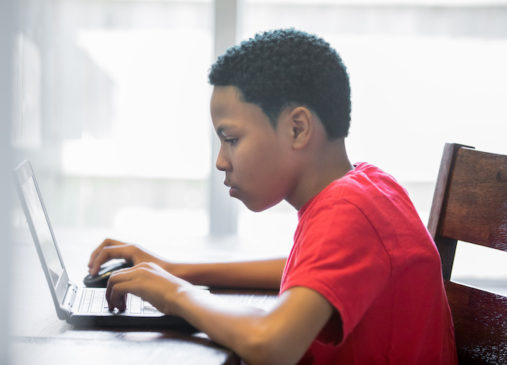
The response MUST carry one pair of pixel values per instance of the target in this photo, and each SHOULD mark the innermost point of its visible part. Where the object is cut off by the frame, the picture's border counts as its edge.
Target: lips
(233, 190)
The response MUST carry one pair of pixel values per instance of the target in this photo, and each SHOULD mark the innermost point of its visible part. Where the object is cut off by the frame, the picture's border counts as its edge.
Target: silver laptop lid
(42, 234)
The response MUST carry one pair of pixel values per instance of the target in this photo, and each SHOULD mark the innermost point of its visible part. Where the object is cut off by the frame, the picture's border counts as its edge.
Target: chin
(260, 206)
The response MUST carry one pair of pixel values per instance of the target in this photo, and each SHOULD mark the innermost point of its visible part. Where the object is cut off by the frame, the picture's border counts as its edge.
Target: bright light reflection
(160, 125)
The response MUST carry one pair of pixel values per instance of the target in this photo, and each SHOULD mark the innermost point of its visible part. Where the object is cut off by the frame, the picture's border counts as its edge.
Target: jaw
(259, 205)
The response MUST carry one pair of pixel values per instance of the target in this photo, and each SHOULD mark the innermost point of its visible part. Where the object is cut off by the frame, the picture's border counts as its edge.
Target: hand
(111, 249)
(148, 281)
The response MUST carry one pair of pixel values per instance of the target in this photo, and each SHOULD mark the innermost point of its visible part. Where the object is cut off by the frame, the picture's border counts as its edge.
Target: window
(114, 111)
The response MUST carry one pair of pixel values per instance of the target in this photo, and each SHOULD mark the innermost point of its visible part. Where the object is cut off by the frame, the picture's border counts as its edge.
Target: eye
(231, 141)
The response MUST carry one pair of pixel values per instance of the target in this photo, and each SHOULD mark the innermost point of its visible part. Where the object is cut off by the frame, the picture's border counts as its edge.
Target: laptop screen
(42, 230)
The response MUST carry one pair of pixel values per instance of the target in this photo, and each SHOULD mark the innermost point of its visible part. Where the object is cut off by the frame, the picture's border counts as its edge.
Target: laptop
(75, 303)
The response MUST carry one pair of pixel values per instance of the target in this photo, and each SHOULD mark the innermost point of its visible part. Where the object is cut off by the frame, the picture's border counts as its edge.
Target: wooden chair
(470, 204)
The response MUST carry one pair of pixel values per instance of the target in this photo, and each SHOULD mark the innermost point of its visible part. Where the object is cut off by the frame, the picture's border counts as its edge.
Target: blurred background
(112, 99)
(111, 105)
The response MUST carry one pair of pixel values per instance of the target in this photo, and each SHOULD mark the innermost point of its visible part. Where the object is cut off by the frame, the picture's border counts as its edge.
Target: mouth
(233, 190)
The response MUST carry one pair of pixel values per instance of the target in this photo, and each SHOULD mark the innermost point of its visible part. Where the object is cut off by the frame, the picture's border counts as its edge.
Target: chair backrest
(470, 204)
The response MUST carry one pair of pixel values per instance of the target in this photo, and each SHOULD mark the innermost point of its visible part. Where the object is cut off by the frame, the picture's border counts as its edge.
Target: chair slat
(470, 204)
(480, 322)
(476, 207)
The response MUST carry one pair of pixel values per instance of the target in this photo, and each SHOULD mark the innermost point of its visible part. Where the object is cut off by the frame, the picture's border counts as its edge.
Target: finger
(118, 296)
(115, 279)
(97, 250)
(118, 277)
(106, 242)
(108, 253)
(121, 283)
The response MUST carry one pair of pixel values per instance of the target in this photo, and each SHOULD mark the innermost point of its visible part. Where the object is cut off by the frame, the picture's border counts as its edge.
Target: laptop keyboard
(94, 301)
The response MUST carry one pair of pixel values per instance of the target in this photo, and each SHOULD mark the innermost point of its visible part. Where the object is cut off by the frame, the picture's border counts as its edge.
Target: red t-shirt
(361, 244)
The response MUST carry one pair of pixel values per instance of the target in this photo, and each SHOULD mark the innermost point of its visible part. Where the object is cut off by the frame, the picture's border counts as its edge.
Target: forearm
(265, 274)
(242, 329)
(278, 336)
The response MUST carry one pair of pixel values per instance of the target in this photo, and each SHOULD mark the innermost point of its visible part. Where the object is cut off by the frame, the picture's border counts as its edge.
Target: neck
(328, 164)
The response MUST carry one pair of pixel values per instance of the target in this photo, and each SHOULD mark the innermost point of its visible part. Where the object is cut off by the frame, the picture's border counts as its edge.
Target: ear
(301, 126)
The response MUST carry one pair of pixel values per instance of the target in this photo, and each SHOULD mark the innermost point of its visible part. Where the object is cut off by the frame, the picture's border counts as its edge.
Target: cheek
(266, 176)
(259, 164)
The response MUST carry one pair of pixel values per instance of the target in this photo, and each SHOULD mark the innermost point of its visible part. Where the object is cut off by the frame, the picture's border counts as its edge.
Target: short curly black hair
(287, 67)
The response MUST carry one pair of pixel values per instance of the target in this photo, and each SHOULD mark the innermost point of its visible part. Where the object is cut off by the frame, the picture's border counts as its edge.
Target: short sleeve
(338, 253)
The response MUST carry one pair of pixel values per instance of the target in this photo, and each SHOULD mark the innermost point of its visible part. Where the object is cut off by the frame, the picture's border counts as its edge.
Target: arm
(280, 336)
(249, 274)
(265, 274)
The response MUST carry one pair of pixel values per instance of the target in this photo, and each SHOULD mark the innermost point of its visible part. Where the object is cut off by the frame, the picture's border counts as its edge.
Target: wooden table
(39, 337)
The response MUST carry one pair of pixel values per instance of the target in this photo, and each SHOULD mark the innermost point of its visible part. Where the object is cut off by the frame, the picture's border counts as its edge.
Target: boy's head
(281, 109)
(287, 68)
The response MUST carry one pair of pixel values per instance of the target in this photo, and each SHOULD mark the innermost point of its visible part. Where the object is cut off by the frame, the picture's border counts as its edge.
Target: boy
(362, 284)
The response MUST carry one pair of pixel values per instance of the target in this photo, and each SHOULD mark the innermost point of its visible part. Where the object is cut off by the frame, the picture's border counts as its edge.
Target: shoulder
(364, 187)
(368, 203)
(366, 199)
(337, 218)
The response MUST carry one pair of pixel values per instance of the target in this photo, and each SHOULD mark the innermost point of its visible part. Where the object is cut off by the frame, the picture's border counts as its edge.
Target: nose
(223, 163)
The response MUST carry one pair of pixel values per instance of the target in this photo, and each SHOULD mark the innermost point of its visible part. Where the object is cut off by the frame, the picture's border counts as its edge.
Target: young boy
(362, 284)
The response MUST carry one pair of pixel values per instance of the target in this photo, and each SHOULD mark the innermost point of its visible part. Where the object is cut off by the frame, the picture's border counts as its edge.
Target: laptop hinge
(70, 297)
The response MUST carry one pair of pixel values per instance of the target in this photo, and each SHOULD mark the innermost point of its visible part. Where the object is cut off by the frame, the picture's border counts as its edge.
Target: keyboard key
(135, 304)
(97, 303)
(85, 301)
(148, 308)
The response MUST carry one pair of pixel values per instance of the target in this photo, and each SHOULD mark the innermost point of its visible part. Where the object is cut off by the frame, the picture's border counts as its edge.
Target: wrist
(180, 299)
(172, 268)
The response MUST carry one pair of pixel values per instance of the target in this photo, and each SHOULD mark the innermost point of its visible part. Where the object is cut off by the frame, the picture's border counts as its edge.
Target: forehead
(229, 110)
(225, 99)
